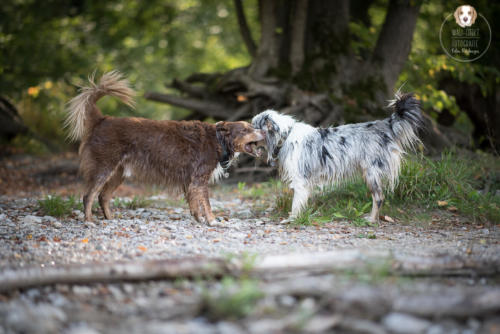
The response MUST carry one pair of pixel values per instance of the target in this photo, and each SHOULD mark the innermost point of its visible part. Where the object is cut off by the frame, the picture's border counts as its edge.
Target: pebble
(405, 323)
(31, 219)
(154, 233)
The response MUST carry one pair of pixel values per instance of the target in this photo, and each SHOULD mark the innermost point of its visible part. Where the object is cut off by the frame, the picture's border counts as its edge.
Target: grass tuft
(234, 299)
(56, 206)
(136, 203)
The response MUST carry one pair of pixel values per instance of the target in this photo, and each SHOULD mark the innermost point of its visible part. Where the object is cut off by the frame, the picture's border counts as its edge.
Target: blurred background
(328, 62)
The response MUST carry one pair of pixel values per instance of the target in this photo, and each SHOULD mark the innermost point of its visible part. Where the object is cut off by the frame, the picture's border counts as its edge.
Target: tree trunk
(244, 30)
(298, 36)
(484, 112)
(267, 52)
(11, 123)
(394, 42)
(301, 60)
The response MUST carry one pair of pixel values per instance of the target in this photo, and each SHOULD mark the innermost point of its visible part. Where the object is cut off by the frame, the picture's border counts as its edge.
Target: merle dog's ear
(225, 138)
(270, 125)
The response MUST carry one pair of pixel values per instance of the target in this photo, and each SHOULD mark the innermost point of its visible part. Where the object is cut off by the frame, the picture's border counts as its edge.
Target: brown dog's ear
(474, 15)
(225, 139)
(456, 15)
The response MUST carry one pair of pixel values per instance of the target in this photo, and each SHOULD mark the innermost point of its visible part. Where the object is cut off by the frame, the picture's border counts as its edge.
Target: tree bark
(244, 29)
(267, 52)
(394, 42)
(484, 112)
(11, 123)
(297, 41)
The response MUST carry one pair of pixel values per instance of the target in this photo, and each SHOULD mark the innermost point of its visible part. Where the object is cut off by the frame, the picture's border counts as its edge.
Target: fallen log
(289, 264)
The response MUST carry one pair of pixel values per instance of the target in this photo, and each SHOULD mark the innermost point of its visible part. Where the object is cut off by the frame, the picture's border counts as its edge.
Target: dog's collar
(225, 159)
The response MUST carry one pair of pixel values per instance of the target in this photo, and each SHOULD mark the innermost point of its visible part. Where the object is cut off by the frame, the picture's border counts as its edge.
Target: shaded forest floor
(366, 295)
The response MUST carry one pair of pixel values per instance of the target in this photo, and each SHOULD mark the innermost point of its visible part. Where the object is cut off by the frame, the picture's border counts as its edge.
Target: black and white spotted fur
(309, 156)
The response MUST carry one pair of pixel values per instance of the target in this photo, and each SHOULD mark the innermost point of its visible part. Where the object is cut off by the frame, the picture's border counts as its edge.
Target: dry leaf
(283, 243)
(142, 248)
(216, 240)
(452, 208)
(442, 203)
(189, 237)
(56, 239)
(241, 98)
(85, 241)
(388, 219)
(29, 236)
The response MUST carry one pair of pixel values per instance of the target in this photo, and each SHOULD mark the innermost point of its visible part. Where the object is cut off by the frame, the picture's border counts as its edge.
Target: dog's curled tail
(82, 112)
(407, 119)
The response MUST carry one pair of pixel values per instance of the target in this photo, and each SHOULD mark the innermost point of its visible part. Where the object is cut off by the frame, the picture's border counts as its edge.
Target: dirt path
(369, 300)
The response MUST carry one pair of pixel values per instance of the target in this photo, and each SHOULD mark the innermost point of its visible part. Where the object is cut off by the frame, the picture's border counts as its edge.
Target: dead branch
(312, 263)
(112, 272)
(207, 108)
(191, 90)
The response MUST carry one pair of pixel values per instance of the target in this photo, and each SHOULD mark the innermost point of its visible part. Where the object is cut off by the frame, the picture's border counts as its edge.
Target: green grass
(234, 299)
(451, 179)
(56, 206)
(135, 203)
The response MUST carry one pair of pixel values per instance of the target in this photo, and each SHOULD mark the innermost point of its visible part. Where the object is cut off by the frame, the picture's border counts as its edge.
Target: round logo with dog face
(465, 35)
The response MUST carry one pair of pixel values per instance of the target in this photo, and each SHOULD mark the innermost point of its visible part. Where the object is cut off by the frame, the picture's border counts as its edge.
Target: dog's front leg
(300, 196)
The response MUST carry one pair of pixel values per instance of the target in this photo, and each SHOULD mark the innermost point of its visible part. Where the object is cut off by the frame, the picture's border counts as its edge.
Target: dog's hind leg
(375, 186)
(107, 192)
(93, 187)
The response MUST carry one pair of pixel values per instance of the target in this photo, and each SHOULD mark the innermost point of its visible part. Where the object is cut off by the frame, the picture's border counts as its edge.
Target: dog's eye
(461, 12)
(469, 12)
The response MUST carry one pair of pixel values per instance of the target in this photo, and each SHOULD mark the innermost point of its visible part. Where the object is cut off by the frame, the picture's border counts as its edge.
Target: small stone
(82, 290)
(246, 213)
(405, 323)
(57, 224)
(32, 220)
(89, 225)
(287, 301)
(259, 223)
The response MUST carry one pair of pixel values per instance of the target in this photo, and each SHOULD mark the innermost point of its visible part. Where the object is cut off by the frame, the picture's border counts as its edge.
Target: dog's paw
(370, 219)
(217, 222)
(287, 221)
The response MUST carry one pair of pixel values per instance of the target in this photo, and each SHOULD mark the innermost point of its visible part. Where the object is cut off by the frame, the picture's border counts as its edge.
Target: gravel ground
(165, 230)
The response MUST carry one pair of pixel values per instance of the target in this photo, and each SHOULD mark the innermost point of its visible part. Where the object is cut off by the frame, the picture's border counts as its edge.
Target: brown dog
(182, 154)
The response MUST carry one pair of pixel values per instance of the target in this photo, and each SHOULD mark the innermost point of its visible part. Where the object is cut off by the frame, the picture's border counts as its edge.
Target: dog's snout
(466, 19)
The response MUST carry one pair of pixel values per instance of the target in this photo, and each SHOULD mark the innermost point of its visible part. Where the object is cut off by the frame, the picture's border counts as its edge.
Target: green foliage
(135, 203)
(451, 179)
(56, 206)
(48, 48)
(422, 183)
(234, 299)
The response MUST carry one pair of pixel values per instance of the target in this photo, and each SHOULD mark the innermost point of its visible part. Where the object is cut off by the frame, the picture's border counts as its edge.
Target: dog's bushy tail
(407, 119)
(82, 110)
